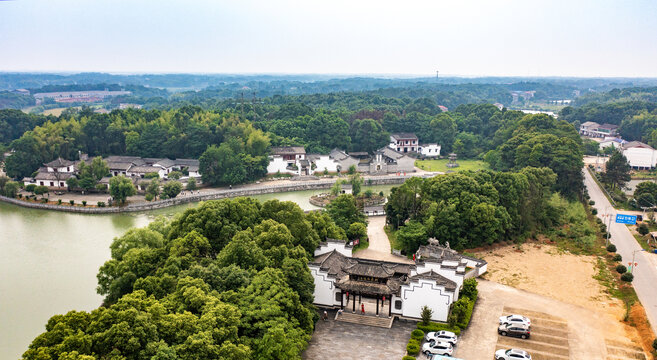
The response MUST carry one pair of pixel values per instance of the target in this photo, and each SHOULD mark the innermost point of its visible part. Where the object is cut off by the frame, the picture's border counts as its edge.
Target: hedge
(413, 347)
(438, 327)
(468, 315)
(417, 334)
(408, 357)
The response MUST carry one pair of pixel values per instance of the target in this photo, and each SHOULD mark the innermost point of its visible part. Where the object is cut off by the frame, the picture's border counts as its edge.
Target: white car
(515, 319)
(512, 354)
(446, 336)
(437, 348)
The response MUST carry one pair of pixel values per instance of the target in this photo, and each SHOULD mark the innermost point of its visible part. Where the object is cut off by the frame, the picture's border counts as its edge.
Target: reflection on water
(49, 261)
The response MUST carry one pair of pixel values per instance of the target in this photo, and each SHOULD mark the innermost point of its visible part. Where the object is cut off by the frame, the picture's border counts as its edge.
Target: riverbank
(269, 187)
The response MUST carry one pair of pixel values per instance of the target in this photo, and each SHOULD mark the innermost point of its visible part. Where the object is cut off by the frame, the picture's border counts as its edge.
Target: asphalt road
(645, 274)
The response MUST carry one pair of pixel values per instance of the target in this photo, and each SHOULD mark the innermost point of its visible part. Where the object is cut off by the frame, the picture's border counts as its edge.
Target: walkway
(645, 274)
(379, 248)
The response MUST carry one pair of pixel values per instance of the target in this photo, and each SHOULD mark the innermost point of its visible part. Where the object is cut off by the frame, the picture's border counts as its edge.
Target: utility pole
(242, 104)
(255, 113)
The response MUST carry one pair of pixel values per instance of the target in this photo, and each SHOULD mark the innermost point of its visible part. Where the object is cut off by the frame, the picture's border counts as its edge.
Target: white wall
(430, 150)
(641, 157)
(276, 164)
(447, 272)
(330, 246)
(325, 162)
(65, 169)
(417, 294)
(324, 289)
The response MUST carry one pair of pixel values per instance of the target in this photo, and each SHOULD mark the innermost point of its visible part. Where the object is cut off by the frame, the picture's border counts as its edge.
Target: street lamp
(609, 216)
(633, 254)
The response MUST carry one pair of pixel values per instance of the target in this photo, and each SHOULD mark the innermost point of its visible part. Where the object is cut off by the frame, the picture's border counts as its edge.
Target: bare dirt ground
(545, 270)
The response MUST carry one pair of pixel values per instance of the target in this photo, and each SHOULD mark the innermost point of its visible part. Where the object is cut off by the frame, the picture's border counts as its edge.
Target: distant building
(443, 108)
(499, 106)
(593, 129)
(430, 150)
(613, 142)
(129, 106)
(639, 155)
(404, 142)
(21, 91)
(78, 96)
(288, 160)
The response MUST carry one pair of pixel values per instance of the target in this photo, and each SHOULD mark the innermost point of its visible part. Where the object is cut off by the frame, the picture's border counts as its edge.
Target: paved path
(379, 248)
(340, 340)
(645, 274)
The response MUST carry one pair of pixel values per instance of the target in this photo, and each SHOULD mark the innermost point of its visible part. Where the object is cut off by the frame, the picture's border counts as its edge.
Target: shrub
(408, 357)
(191, 184)
(618, 257)
(149, 197)
(438, 327)
(20, 196)
(101, 187)
(594, 211)
(30, 187)
(59, 201)
(84, 202)
(621, 269)
(654, 344)
(44, 200)
(417, 334)
(643, 229)
(426, 315)
(413, 347)
(101, 204)
(627, 277)
(591, 202)
(470, 289)
(611, 248)
(40, 190)
(72, 202)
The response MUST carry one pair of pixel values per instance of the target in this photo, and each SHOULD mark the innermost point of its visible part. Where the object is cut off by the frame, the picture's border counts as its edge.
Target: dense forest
(225, 280)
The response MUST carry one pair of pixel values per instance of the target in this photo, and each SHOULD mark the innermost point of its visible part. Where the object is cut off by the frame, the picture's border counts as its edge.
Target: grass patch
(643, 242)
(441, 165)
(392, 237)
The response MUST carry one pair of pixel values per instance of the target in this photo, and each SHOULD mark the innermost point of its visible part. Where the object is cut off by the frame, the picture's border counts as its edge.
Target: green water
(49, 261)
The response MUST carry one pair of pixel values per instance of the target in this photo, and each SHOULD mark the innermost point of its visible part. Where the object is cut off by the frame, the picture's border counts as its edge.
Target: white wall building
(639, 155)
(404, 142)
(399, 288)
(430, 150)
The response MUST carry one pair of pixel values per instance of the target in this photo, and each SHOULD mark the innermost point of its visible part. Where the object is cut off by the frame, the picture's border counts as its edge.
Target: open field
(548, 271)
(55, 111)
(441, 165)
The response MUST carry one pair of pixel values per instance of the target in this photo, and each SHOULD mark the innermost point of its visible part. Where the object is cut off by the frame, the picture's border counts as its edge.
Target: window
(398, 304)
(338, 296)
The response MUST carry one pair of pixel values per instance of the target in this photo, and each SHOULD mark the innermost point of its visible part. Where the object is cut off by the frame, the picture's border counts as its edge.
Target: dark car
(517, 330)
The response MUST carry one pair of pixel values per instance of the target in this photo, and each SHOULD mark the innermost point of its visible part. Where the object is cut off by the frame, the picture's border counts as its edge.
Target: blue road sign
(626, 219)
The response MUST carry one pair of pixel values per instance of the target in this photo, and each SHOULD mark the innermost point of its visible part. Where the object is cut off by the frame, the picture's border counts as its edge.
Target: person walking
(325, 316)
(362, 309)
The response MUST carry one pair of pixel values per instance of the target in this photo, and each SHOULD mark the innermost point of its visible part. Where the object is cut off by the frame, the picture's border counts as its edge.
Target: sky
(597, 38)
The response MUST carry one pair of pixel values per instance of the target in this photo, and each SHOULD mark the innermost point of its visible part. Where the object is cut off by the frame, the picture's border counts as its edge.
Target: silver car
(443, 335)
(512, 354)
(515, 319)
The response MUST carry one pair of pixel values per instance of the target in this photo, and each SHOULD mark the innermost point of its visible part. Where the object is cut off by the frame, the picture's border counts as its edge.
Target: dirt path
(379, 248)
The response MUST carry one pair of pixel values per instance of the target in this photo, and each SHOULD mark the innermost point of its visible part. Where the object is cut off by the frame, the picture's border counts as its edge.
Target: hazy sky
(460, 37)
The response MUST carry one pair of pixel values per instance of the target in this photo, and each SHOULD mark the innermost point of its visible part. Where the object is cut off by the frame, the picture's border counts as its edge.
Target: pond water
(49, 261)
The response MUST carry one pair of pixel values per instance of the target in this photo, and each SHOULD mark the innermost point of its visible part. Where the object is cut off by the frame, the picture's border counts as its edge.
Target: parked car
(515, 319)
(512, 354)
(518, 330)
(446, 336)
(437, 348)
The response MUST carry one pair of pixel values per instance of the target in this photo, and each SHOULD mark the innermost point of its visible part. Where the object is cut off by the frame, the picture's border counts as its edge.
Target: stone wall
(218, 194)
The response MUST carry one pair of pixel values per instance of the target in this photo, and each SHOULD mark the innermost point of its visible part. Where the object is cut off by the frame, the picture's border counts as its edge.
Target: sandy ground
(545, 270)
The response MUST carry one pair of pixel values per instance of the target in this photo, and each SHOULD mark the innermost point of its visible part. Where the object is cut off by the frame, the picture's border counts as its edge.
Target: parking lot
(559, 330)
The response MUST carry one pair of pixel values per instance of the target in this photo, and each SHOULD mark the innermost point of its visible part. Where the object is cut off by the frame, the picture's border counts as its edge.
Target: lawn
(441, 165)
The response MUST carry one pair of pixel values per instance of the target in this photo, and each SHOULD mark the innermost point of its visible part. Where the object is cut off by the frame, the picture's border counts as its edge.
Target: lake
(49, 261)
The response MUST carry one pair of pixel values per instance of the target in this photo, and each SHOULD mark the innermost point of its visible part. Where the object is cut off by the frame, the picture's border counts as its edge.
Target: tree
(222, 165)
(646, 194)
(411, 236)
(11, 189)
(40, 190)
(368, 135)
(99, 168)
(344, 211)
(356, 182)
(153, 189)
(3, 181)
(357, 230)
(72, 182)
(171, 189)
(175, 175)
(617, 171)
(121, 188)
(191, 184)
(426, 315)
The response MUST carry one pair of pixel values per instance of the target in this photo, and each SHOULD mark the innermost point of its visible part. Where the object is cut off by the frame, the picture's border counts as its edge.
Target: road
(645, 274)
(379, 248)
